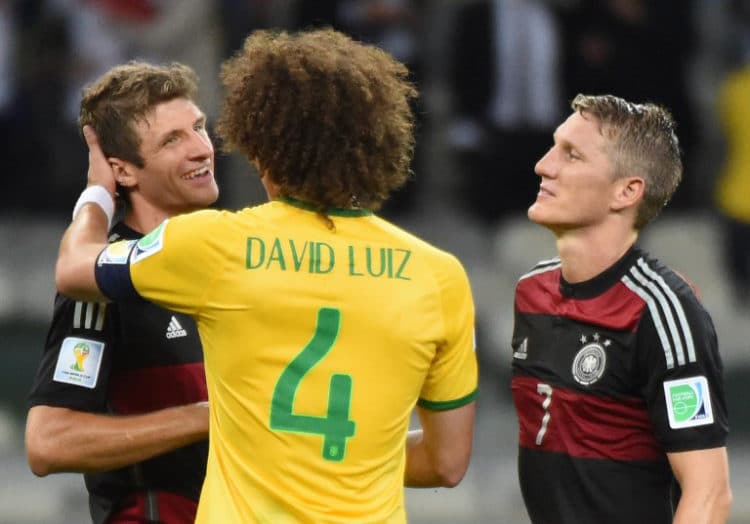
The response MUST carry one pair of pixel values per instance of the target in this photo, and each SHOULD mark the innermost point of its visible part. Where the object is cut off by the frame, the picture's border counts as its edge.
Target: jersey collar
(120, 231)
(604, 280)
(334, 211)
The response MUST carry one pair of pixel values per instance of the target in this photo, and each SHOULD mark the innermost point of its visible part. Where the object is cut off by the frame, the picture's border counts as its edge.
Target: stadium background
(49, 48)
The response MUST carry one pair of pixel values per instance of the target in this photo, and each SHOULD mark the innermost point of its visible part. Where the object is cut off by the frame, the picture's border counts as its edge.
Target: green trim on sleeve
(448, 404)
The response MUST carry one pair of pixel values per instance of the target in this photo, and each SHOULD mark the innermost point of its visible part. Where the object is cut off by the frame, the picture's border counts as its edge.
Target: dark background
(495, 77)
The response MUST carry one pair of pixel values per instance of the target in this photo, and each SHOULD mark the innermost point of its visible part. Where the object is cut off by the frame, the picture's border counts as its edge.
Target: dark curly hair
(124, 95)
(326, 118)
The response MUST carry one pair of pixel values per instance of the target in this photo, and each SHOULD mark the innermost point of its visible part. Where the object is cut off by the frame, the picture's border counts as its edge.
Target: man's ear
(123, 172)
(628, 192)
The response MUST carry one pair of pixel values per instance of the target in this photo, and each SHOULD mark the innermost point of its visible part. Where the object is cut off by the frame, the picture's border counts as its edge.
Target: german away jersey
(318, 343)
(608, 376)
(127, 359)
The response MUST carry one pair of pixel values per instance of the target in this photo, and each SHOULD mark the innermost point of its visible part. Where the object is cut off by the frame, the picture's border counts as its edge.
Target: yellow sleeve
(452, 379)
(175, 264)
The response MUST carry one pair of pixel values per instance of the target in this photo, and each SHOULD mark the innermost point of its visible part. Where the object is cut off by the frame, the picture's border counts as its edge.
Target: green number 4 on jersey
(335, 426)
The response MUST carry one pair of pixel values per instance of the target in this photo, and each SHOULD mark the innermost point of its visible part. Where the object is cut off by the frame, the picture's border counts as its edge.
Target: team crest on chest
(591, 360)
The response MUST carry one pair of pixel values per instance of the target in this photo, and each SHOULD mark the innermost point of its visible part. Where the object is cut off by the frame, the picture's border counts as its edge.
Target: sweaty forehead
(170, 114)
(581, 130)
(166, 117)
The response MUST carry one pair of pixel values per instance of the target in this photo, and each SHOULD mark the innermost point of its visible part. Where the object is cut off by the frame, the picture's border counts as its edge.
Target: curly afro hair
(326, 118)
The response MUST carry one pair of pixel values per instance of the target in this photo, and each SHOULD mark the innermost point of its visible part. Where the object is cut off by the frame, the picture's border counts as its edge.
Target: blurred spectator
(63, 45)
(393, 25)
(639, 50)
(240, 17)
(7, 50)
(506, 83)
(733, 186)
(32, 116)
(108, 32)
(8, 91)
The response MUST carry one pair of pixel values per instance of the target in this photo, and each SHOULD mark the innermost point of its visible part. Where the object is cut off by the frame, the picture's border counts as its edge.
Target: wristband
(99, 196)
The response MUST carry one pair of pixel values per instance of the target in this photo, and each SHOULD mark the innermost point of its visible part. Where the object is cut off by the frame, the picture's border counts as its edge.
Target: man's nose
(543, 167)
(200, 145)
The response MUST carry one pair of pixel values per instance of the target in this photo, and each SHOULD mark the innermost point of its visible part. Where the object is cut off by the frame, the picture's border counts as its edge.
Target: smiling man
(617, 378)
(314, 362)
(120, 394)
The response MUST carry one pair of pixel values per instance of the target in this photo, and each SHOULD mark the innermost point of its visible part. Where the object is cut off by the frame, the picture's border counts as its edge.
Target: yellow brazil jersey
(318, 344)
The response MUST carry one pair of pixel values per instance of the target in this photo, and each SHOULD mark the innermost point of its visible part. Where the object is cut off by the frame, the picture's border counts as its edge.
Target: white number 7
(546, 390)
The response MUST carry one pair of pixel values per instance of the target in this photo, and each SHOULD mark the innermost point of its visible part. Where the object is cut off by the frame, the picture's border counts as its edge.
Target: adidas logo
(521, 353)
(175, 330)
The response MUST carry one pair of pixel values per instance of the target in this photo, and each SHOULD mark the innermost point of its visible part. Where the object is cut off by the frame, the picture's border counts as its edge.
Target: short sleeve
(174, 265)
(452, 379)
(682, 375)
(77, 360)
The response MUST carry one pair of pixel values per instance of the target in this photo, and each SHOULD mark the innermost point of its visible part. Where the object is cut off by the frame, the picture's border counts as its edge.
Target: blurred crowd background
(496, 78)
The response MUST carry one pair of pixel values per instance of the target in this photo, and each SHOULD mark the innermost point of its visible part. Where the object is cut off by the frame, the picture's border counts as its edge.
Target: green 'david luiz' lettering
(319, 257)
(261, 254)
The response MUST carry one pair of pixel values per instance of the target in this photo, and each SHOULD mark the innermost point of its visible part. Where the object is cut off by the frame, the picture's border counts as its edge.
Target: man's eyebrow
(168, 134)
(558, 138)
(200, 119)
(561, 140)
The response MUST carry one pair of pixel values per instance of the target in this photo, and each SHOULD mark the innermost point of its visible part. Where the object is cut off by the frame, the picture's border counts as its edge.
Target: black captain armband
(112, 272)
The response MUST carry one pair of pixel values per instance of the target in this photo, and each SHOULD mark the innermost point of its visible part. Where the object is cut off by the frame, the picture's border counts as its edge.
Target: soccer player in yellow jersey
(323, 325)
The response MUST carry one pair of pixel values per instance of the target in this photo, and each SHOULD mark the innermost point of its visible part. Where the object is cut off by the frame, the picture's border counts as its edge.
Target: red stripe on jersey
(168, 507)
(618, 308)
(582, 425)
(143, 390)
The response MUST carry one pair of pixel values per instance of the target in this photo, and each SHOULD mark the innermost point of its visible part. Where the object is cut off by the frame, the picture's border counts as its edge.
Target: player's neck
(585, 254)
(143, 217)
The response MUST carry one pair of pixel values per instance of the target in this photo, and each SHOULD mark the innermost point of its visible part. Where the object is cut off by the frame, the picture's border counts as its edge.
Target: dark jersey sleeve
(681, 371)
(77, 360)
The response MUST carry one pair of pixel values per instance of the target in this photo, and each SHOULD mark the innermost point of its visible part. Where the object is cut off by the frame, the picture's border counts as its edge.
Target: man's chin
(207, 197)
(199, 202)
(537, 214)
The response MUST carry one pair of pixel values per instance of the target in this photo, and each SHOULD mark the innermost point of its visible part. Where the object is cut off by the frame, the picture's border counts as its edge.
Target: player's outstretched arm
(87, 234)
(704, 481)
(64, 440)
(79, 249)
(439, 456)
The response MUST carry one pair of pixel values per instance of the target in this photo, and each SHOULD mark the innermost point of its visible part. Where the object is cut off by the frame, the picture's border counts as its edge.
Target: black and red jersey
(608, 376)
(123, 359)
